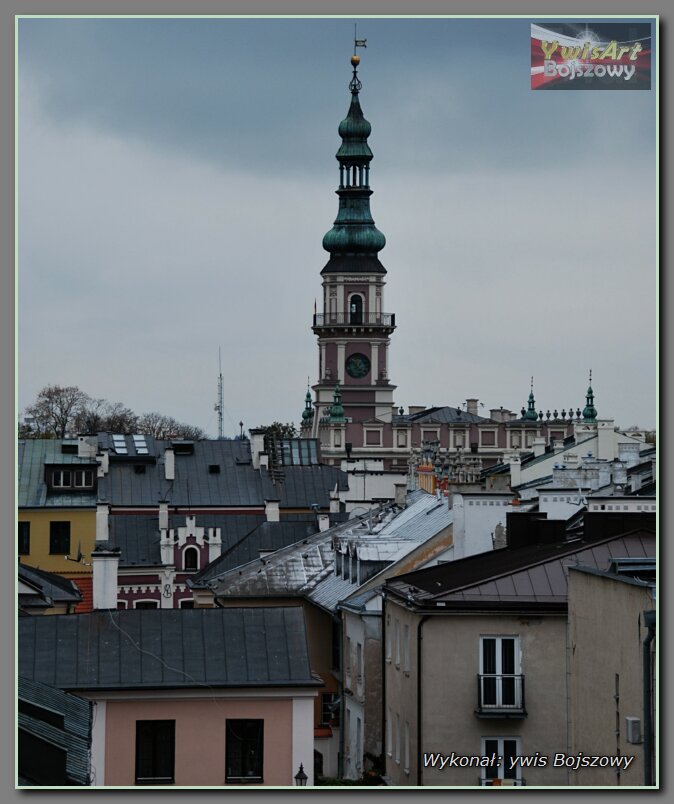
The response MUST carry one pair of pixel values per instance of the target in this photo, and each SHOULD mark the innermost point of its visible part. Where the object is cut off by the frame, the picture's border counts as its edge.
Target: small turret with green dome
(589, 411)
(530, 414)
(308, 412)
(336, 409)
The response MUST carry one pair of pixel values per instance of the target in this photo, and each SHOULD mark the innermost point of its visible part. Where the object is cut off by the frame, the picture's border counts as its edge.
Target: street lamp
(301, 777)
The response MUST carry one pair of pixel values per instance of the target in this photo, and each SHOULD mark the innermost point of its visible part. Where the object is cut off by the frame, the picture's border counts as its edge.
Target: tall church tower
(353, 330)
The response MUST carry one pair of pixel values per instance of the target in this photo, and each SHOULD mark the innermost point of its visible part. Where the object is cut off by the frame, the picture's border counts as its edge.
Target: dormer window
(77, 479)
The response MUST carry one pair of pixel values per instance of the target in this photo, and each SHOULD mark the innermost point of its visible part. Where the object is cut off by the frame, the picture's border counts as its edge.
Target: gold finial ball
(355, 60)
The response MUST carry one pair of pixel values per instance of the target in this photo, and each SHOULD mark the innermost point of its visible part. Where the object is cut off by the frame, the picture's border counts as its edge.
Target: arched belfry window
(191, 558)
(356, 309)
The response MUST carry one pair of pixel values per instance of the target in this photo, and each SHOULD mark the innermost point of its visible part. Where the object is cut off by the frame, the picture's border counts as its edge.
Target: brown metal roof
(529, 574)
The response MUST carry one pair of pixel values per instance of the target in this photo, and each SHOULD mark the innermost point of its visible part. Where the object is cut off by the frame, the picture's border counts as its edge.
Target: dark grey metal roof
(33, 455)
(535, 573)
(268, 536)
(166, 649)
(303, 486)
(74, 735)
(139, 538)
(52, 586)
(442, 415)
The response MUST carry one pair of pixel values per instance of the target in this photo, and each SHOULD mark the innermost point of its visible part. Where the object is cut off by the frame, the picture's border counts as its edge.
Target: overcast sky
(176, 178)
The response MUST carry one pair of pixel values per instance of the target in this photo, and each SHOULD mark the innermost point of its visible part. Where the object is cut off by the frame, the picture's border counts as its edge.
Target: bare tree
(56, 409)
(165, 427)
(62, 411)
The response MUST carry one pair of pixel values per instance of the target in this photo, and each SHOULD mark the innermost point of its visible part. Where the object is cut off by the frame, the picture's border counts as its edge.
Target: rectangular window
(515, 441)
(330, 708)
(338, 438)
(406, 647)
(389, 733)
(459, 440)
(402, 438)
(359, 744)
(500, 682)
(406, 748)
(502, 774)
(429, 435)
(84, 478)
(397, 642)
(488, 438)
(61, 479)
(155, 751)
(359, 662)
(347, 661)
(397, 755)
(388, 638)
(146, 604)
(59, 538)
(244, 743)
(24, 538)
(373, 437)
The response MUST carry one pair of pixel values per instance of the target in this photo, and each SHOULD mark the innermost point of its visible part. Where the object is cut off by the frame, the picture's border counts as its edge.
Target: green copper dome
(336, 409)
(354, 232)
(308, 412)
(589, 411)
(354, 131)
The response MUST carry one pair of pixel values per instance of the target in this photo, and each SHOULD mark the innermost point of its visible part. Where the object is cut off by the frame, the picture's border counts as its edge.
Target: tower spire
(530, 413)
(589, 411)
(354, 234)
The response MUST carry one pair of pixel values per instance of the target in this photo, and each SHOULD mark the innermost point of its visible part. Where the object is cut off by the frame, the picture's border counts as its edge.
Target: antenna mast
(219, 407)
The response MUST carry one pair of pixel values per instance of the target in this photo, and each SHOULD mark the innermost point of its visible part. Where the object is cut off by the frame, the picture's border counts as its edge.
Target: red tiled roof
(86, 586)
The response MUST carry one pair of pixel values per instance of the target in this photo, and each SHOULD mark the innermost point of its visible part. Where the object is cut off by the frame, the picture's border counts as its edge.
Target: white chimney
(471, 406)
(105, 561)
(87, 446)
(271, 509)
(334, 500)
(323, 522)
(515, 471)
(400, 494)
(169, 464)
(163, 516)
(102, 522)
(256, 446)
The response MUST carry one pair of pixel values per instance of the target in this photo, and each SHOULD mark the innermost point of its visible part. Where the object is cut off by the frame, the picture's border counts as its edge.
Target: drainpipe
(342, 703)
(384, 724)
(420, 763)
(649, 622)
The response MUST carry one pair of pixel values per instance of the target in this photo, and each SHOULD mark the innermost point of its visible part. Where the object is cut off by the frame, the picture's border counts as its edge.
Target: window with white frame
(500, 680)
(389, 732)
(406, 647)
(402, 438)
(347, 661)
(396, 631)
(359, 662)
(501, 773)
(406, 748)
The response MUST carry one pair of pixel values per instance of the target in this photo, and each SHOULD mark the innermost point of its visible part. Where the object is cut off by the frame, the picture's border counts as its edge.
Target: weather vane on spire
(532, 383)
(590, 376)
(355, 85)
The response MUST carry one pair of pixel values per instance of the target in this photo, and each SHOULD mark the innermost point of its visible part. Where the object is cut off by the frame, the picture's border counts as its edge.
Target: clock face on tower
(357, 366)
